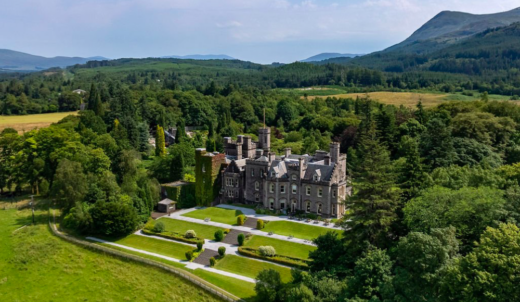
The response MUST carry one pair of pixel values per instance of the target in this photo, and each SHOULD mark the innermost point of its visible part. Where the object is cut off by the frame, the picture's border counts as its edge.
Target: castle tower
(264, 137)
(334, 152)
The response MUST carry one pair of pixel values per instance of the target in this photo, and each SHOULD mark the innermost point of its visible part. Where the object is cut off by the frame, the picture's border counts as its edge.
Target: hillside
(329, 55)
(201, 57)
(15, 60)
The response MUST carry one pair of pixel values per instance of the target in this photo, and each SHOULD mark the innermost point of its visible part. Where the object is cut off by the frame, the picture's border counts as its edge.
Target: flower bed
(281, 259)
(173, 236)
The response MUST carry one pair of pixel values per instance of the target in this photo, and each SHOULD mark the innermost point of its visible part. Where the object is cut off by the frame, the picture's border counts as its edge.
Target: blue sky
(261, 31)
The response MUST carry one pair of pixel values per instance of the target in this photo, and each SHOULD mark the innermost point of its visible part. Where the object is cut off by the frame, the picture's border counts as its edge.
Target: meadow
(24, 123)
(36, 266)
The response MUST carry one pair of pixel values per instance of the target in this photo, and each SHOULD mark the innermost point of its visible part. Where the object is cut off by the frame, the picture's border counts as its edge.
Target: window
(271, 188)
(257, 198)
(236, 182)
(308, 190)
(294, 177)
(271, 203)
(294, 189)
(319, 208)
(282, 189)
(257, 185)
(203, 169)
(252, 172)
(333, 210)
(308, 208)
(320, 192)
(282, 204)
(334, 193)
(316, 177)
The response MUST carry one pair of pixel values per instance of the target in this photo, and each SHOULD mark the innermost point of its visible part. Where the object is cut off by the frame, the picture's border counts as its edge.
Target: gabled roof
(324, 171)
(167, 201)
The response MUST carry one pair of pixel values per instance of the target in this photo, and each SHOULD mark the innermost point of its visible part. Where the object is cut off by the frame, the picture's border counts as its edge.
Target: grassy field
(250, 268)
(26, 123)
(163, 247)
(410, 99)
(285, 248)
(298, 230)
(226, 216)
(36, 266)
(203, 231)
(239, 288)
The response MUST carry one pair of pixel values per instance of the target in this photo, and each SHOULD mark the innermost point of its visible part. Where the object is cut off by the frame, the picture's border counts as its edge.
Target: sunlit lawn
(180, 226)
(282, 247)
(226, 216)
(250, 268)
(298, 230)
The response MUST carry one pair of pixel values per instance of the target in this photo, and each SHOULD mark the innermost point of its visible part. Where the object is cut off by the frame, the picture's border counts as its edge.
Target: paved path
(189, 265)
(204, 257)
(232, 237)
(252, 213)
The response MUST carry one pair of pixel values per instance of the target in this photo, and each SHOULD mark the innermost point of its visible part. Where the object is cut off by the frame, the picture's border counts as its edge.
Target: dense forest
(435, 208)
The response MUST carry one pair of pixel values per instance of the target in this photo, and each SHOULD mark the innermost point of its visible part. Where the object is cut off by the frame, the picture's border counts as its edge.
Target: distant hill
(201, 57)
(448, 28)
(19, 61)
(329, 55)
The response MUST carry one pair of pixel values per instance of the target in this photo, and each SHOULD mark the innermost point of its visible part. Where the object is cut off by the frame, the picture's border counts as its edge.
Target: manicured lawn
(298, 230)
(37, 266)
(250, 268)
(203, 231)
(216, 214)
(239, 288)
(285, 248)
(166, 248)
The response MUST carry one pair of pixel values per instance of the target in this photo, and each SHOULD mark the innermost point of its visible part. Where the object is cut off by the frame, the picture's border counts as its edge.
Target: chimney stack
(334, 152)
(287, 152)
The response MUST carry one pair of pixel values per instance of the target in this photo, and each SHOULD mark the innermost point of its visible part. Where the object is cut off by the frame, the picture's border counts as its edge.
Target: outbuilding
(166, 206)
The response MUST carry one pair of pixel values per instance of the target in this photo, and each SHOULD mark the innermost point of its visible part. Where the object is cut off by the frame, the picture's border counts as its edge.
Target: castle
(251, 174)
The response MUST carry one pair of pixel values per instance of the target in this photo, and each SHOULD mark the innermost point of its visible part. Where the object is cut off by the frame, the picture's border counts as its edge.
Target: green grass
(203, 231)
(282, 247)
(37, 266)
(166, 248)
(226, 216)
(298, 230)
(250, 268)
(239, 288)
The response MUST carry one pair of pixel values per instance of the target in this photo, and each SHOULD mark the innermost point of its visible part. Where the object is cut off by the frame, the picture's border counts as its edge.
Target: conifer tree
(93, 94)
(375, 200)
(177, 167)
(160, 147)
(412, 174)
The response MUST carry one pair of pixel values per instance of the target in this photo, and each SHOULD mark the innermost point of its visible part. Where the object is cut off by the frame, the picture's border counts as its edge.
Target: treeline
(434, 214)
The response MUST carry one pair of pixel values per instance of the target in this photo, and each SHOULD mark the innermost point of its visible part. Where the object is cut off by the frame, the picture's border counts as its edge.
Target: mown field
(24, 123)
(410, 99)
(37, 266)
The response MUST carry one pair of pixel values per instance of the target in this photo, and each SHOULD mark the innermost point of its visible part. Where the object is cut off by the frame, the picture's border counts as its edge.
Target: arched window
(308, 206)
(282, 204)
(319, 208)
(257, 185)
(271, 203)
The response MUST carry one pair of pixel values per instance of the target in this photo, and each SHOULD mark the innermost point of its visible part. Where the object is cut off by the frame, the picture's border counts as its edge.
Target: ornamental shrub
(222, 251)
(212, 261)
(219, 235)
(199, 245)
(190, 234)
(189, 255)
(241, 238)
(159, 227)
(267, 251)
(241, 219)
(260, 224)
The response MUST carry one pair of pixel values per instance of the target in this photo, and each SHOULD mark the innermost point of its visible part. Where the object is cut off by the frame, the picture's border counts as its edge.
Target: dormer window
(316, 177)
(293, 177)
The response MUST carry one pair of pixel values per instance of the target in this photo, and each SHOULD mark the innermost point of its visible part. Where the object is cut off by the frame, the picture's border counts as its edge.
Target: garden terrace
(179, 226)
(298, 230)
(284, 248)
(250, 268)
(221, 215)
(158, 246)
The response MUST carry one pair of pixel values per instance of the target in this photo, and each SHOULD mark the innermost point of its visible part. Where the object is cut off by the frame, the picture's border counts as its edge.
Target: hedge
(285, 260)
(173, 236)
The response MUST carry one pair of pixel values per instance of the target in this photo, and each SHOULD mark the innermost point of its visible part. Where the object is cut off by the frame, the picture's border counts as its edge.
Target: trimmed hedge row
(174, 236)
(285, 260)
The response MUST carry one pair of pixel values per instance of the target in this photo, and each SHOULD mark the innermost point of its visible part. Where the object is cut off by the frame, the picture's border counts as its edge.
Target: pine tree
(375, 201)
(420, 114)
(92, 96)
(177, 167)
(412, 174)
(181, 132)
(160, 147)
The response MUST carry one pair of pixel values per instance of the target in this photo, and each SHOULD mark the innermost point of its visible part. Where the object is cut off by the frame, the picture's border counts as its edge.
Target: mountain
(449, 27)
(201, 57)
(329, 55)
(19, 61)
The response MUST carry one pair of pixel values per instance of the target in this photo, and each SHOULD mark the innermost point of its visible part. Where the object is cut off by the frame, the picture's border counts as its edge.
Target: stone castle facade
(291, 183)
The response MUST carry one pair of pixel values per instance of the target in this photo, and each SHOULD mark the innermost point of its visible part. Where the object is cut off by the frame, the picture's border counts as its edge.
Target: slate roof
(167, 201)
(326, 172)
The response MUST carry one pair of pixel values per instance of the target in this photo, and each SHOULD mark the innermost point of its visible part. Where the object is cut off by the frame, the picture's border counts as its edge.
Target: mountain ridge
(21, 61)
(200, 57)
(329, 55)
